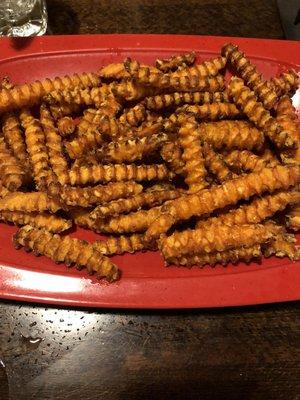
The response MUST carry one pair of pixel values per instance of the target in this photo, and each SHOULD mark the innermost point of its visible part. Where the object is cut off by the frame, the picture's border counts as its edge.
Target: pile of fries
(171, 157)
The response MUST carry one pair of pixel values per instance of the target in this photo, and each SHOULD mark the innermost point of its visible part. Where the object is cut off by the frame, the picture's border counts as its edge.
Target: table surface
(238, 353)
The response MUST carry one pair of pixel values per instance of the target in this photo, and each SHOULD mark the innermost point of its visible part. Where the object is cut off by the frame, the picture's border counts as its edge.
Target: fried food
(66, 249)
(82, 144)
(281, 246)
(293, 218)
(206, 201)
(248, 72)
(211, 67)
(51, 222)
(212, 112)
(117, 173)
(66, 126)
(215, 163)
(286, 83)
(247, 102)
(123, 244)
(11, 171)
(174, 62)
(88, 196)
(29, 202)
(125, 205)
(192, 156)
(171, 153)
(28, 95)
(212, 239)
(61, 110)
(245, 160)
(133, 116)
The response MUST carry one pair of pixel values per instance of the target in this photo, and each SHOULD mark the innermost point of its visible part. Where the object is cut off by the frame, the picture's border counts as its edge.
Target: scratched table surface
(244, 353)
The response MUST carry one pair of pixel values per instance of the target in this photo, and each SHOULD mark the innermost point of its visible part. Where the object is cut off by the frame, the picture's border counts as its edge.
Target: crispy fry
(66, 249)
(256, 211)
(14, 137)
(130, 150)
(79, 96)
(61, 110)
(55, 147)
(227, 135)
(82, 144)
(123, 244)
(285, 83)
(169, 64)
(192, 156)
(282, 247)
(131, 91)
(6, 83)
(52, 223)
(293, 218)
(247, 102)
(29, 202)
(212, 112)
(66, 126)
(245, 160)
(212, 239)
(172, 155)
(162, 101)
(206, 201)
(248, 72)
(235, 255)
(124, 206)
(29, 94)
(133, 116)
(88, 196)
(117, 173)
(117, 71)
(215, 163)
(11, 171)
(210, 68)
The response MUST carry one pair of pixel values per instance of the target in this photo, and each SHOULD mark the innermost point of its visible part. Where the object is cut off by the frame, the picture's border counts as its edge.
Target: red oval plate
(145, 282)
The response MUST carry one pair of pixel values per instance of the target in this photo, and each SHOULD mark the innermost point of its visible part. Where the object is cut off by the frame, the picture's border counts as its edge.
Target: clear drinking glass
(23, 17)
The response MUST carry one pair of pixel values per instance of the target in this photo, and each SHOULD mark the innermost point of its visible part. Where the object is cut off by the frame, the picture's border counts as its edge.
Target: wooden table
(238, 353)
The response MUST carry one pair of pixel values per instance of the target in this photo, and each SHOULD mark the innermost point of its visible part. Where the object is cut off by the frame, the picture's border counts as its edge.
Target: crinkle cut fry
(144, 76)
(212, 239)
(174, 62)
(124, 206)
(52, 223)
(36, 147)
(256, 211)
(123, 244)
(55, 146)
(192, 156)
(61, 110)
(247, 102)
(229, 193)
(285, 83)
(209, 68)
(66, 126)
(215, 163)
(132, 91)
(245, 160)
(133, 116)
(88, 196)
(29, 202)
(211, 112)
(83, 143)
(118, 172)
(293, 218)
(281, 246)
(131, 149)
(249, 74)
(235, 255)
(30, 94)
(227, 135)
(66, 249)
(171, 153)
(14, 137)
(162, 101)
(116, 71)
(11, 171)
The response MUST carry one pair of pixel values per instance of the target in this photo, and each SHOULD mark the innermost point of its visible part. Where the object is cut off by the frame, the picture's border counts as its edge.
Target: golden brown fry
(29, 94)
(256, 211)
(123, 244)
(124, 206)
(133, 116)
(169, 64)
(248, 72)
(269, 157)
(66, 126)
(36, 147)
(212, 239)
(285, 83)
(61, 110)
(131, 91)
(192, 156)
(293, 218)
(132, 149)
(11, 172)
(79, 96)
(14, 137)
(206, 201)
(3, 191)
(281, 246)
(245, 160)
(227, 135)
(6, 83)
(162, 101)
(235, 255)
(55, 147)
(172, 155)
(211, 112)
(66, 249)
(247, 102)
(210, 68)
(117, 71)
(52, 223)
(88, 196)
(215, 163)
(187, 83)
(29, 202)
(117, 173)
(82, 144)
(86, 160)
